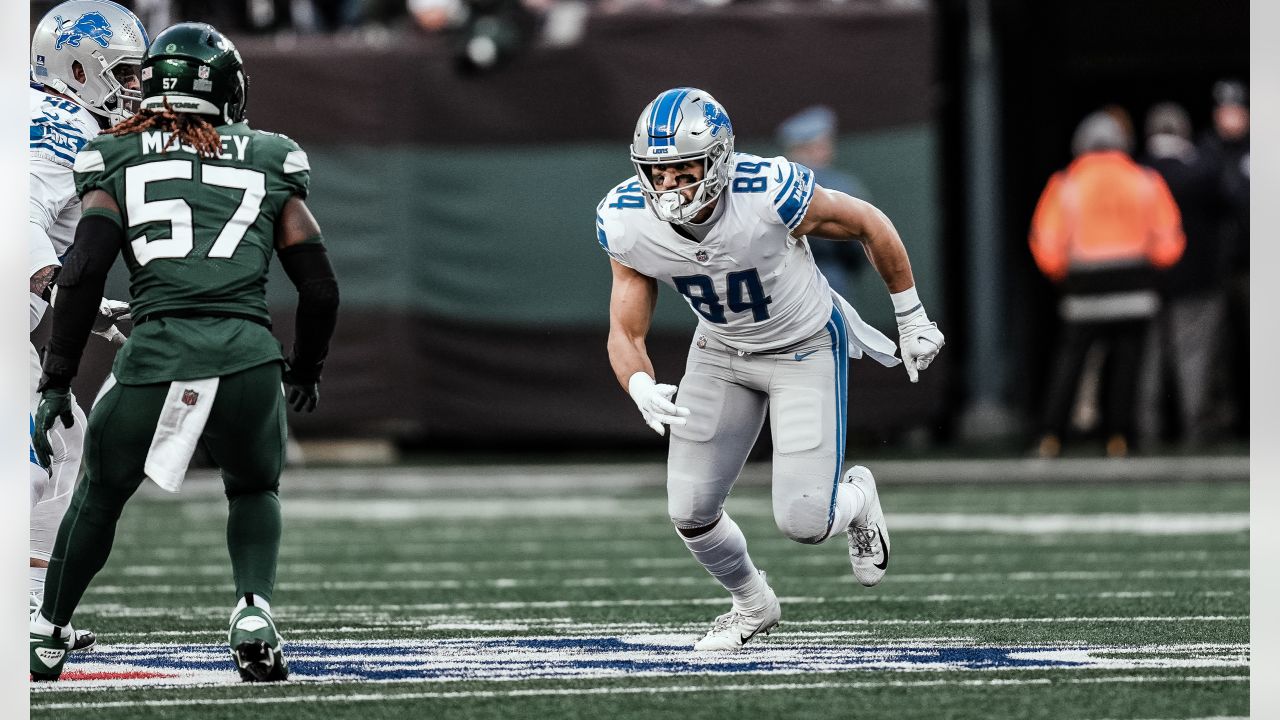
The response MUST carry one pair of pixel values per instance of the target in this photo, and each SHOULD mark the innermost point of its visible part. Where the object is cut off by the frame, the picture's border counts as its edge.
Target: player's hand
(301, 387)
(920, 341)
(104, 325)
(655, 404)
(55, 404)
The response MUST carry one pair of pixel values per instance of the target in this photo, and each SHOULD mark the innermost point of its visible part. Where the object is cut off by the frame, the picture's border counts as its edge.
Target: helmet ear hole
(77, 71)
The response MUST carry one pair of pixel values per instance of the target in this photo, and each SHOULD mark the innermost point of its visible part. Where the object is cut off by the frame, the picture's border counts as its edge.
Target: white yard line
(659, 690)
(660, 581)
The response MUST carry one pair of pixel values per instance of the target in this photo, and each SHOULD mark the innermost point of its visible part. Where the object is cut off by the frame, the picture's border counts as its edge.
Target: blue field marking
(525, 658)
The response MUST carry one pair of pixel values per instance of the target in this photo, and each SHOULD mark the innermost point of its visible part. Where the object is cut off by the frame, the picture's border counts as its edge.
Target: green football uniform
(199, 239)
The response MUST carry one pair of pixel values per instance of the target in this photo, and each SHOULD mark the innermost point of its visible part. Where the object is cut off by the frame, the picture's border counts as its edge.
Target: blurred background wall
(459, 149)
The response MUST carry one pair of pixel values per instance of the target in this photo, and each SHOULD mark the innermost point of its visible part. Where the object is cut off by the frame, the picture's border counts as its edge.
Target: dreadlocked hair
(190, 128)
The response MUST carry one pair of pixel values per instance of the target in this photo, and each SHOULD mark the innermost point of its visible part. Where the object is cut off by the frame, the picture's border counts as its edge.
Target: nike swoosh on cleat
(802, 356)
(884, 565)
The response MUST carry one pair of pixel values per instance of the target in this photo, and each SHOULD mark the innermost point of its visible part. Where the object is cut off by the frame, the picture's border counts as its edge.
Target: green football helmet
(195, 69)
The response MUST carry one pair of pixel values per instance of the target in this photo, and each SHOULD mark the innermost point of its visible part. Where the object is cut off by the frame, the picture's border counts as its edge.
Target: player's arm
(98, 240)
(837, 216)
(50, 188)
(631, 304)
(833, 214)
(306, 262)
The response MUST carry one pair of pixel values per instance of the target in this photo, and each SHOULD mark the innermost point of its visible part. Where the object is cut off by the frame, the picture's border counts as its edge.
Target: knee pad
(805, 519)
(40, 484)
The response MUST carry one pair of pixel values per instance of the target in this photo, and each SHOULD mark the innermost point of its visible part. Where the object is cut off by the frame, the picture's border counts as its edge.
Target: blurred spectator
(1227, 148)
(1102, 229)
(809, 138)
(1187, 337)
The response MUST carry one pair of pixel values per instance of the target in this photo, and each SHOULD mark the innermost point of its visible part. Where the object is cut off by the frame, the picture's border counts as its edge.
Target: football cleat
(256, 647)
(733, 629)
(80, 639)
(48, 653)
(868, 536)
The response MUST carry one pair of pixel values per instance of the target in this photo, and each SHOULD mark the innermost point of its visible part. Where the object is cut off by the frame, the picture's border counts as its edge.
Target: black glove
(55, 403)
(302, 383)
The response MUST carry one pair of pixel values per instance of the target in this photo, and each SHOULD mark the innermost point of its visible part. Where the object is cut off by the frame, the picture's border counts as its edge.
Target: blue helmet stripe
(665, 110)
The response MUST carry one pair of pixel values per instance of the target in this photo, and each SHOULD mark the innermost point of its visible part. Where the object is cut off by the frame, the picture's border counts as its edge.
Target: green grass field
(547, 592)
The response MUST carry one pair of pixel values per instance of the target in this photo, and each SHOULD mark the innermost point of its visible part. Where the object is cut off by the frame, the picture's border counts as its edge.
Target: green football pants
(245, 437)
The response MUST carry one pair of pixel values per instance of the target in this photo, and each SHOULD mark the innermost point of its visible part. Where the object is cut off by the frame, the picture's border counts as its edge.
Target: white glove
(654, 401)
(104, 326)
(920, 340)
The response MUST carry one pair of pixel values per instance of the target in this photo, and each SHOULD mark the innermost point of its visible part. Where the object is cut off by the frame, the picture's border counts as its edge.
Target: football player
(84, 77)
(198, 202)
(728, 231)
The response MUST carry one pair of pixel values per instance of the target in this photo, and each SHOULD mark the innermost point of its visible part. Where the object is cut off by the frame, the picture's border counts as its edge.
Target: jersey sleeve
(91, 169)
(789, 190)
(611, 225)
(294, 168)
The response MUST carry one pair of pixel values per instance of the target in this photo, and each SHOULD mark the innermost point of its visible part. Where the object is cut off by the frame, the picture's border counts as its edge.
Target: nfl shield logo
(702, 341)
(146, 73)
(701, 255)
(203, 72)
(189, 397)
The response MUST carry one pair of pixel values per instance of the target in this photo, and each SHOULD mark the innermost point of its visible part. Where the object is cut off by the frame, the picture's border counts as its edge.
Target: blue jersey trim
(30, 447)
(794, 197)
(840, 351)
(57, 151)
(601, 235)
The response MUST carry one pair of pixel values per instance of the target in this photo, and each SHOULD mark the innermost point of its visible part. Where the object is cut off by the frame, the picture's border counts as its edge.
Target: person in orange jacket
(1103, 229)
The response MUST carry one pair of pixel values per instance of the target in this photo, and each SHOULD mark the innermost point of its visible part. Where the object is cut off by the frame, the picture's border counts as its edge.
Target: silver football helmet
(683, 124)
(106, 40)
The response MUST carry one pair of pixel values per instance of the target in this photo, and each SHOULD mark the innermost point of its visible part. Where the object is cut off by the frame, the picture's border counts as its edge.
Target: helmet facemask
(683, 125)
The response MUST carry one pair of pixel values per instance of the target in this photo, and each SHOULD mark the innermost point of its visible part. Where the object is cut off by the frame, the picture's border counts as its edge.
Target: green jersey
(199, 236)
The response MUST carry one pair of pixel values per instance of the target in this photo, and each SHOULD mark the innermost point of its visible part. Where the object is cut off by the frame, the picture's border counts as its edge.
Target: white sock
(40, 626)
(722, 550)
(851, 503)
(37, 580)
(258, 601)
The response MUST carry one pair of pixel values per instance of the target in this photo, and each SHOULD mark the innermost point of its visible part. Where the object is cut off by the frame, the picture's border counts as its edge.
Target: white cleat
(868, 536)
(733, 629)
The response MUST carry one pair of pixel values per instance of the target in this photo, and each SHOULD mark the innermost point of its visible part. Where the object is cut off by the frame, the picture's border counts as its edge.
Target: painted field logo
(525, 658)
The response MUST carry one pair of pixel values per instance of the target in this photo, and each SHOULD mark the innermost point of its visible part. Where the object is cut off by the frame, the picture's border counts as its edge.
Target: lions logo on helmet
(683, 124)
(90, 25)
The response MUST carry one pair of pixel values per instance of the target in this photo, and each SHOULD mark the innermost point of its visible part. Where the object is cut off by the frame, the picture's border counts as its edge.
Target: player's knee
(804, 519)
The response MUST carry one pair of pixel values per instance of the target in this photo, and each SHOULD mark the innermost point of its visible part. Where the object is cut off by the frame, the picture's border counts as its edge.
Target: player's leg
(68, 447)
(812, 498)
(705, 458)
(245, 436)
(120, 428)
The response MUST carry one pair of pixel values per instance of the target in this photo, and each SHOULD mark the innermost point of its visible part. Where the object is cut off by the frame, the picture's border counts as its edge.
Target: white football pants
(727, 394)
(51, 492)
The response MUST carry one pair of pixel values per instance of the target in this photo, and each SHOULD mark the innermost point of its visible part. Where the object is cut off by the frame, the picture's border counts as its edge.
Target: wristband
(906, 302)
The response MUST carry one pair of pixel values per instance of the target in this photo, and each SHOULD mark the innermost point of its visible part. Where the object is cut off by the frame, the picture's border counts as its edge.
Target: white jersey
(754, 285)
(59, 128)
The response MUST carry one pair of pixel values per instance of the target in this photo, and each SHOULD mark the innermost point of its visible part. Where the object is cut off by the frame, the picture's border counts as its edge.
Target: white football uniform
(770, 334)
(59, 129)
